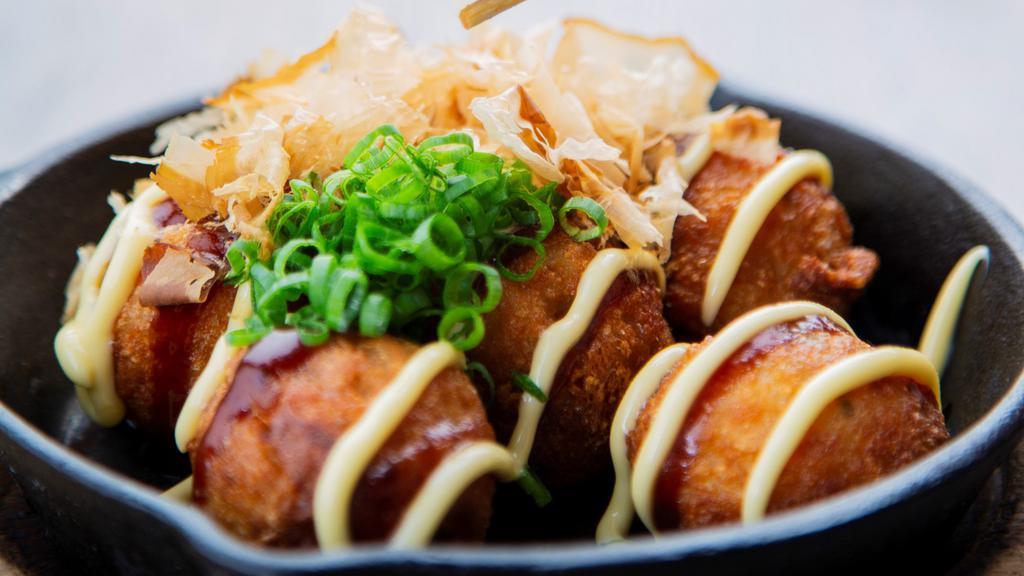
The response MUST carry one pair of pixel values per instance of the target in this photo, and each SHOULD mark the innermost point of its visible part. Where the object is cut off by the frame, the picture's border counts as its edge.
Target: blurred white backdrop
(942, 77)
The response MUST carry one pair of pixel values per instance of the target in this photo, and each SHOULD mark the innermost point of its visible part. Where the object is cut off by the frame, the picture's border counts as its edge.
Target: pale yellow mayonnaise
(937, 337)
(687, 384)
(827, 385)
(556, 341)
(356, 447)
(695, 156)
(182, 491)
(445, 484)
(615, 523)
(750, 216)
(214, 373)
(823, 388)
(83, 345)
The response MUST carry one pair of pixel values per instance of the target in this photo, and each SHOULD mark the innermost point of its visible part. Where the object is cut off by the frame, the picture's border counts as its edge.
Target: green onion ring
(375, 315)
(439, 243)
(530, 243)
(592, 209)
(453, 328)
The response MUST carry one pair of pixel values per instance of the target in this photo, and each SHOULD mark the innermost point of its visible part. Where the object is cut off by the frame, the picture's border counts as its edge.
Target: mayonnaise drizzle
(446, 483)
(695, 156)
(556, 341)
(83, 345)
(356, 447)
(214, 373)
(618, 516)
(803, 410)
(354, 450)
(182, 491)
(750, 216)
(687, 384)
(937, 337)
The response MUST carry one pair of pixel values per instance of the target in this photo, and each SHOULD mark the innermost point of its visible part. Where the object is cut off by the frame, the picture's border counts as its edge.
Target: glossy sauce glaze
(686, 385)
(178, 328)
(354, 450)
(277, 352)
(254, 390)
(214, 373)
(444, 485)
(844, 376)
(740, 342)
(167, 213)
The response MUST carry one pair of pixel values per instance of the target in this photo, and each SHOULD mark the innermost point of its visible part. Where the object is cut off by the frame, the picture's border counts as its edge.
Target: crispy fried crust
(266, 436)
(572, 438)
(159, 351)
(802, 252)
(862, 436)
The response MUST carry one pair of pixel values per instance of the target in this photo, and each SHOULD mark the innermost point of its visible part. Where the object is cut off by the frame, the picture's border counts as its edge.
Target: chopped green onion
(240, 256)
(375, 315)
(439, 243)
(460, 289)
(401, 238)
(486, 375)
(367, 141)
(463, 327)
(591, 209)
(345, 298)
(530, 243)
(543, 219)
(529, 386)
(410, 304)
(312, 329)
(253, 332)
(532, 485)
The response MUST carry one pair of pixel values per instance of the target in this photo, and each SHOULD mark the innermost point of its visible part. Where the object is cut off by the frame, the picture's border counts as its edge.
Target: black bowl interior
(919, 220)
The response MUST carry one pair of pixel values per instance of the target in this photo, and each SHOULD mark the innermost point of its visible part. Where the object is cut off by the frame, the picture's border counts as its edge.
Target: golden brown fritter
(572, 438)
(265, 438)
(159, 351)
(860, 437)
(802, 252)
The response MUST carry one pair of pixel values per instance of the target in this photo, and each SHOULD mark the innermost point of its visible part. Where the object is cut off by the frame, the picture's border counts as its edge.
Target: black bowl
(95, 487)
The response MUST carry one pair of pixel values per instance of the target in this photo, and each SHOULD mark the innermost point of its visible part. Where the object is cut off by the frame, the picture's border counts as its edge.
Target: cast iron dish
(97, 488)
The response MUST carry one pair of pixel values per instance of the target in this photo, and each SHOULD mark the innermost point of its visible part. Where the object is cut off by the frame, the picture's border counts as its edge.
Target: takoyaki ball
(572, 438)
(860, 437)
(264, 439)
(160, 350)
(802, 252)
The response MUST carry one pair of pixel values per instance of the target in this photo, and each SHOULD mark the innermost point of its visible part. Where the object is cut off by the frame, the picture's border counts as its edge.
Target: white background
(944, 77)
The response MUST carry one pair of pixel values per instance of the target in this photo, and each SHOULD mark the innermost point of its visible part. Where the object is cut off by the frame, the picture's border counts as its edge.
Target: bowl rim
(1003, 422)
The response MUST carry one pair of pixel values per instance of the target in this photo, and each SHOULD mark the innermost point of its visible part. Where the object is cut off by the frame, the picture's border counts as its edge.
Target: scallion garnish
(401, 233)
(529, 386)
(591, 209)
(532, 485)
(486, 375)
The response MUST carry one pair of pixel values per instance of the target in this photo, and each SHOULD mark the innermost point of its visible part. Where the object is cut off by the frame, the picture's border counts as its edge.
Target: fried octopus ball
(860, 437)
(159, 351)
(572, 438)
(802, 252)
(264, 439)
